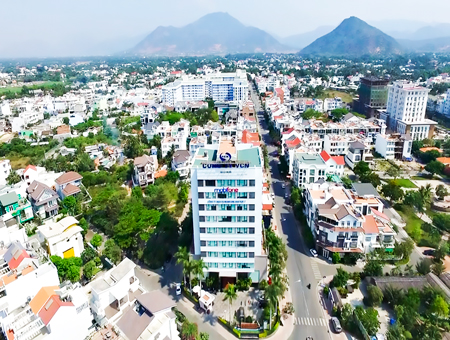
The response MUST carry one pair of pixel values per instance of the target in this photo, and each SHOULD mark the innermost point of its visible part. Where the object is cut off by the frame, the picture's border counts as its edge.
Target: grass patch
(19, 162)
(405, 183)
(17, 89)
(347, 98)
(95, 190)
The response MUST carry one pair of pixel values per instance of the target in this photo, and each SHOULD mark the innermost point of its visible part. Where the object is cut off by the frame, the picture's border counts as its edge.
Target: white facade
(63, 238)
(388, 145)
(31, 117)
(227, 209)
(330, 104)
(308, 168)
(446, 109)
(5, 170)
(218, 86)
(406, 106)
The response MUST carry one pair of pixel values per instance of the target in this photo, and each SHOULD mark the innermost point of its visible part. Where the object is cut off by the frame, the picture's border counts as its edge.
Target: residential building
(68, 184)
(150, 317)
(10, 231)
(43, 199)
(22, 274)
(18, 207)
(330, 104)
(181, 162)
(226, 184)
(357, 152)
(446, 106)
(307, 169)
(335, 164)
(62, 238)
(347, 221)
(5, 170)
(405, 112)
(372, 95)
(394, 146)
(218, 86)
(112, 293)
(47, 313)
(145, 168)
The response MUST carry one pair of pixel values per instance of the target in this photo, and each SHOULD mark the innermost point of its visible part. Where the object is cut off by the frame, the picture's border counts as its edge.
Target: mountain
(215, 33)
(427, 45)
(354, 37)
(298, 41)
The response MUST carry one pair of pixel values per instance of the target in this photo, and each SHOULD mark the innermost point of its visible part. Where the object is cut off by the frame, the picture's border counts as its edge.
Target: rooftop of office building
(228, 152)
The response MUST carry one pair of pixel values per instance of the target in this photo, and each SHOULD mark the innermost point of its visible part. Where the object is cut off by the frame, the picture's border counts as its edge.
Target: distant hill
(215, 33)
(426, 45)
(354, 37)
(298, 41)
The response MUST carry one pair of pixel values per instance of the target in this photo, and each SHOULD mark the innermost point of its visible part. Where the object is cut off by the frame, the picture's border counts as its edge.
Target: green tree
(439, 306)
(435, 167)
(424, 266)
(132, 147)
(71, 205)
(361, 168)
(373, 268)
(184, 258)
(230, 295)
(68, 268)
(375, 295)
(338, 114)
(13, 178)
(404, 249)
(347, 182)
(97, 240)
(441, 191)
(197, 269)
(392, 191)
(441, 221)
(136, 192)
(369, 319)
(370, 177)
(90, 269)
(112, 251)
(214, 116)
(66, 120)
(340, 278)
(393, 295)
(203, 336)
(336, 257)
(84, 225)
(310, 113)
(88, 254)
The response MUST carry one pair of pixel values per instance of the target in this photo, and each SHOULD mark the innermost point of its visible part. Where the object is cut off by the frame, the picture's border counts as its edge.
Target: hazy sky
(48, 26)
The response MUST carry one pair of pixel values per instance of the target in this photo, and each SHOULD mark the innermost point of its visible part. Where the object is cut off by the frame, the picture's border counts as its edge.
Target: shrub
(336, 258)
(375, 295)
(342, 291)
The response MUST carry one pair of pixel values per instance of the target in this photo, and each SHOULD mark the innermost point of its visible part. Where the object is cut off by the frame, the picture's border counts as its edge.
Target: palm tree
(272, 294)
(409, 270)
(230, 295)
(438, 268)
(184, 258)
(197, 269)
(425, 194)
(189, 331)
(396, 271)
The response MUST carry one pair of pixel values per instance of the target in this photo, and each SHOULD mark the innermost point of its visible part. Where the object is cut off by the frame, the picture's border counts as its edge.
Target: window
(251, 243)
(251, 182)
(202, 230)
(368, 238)
(251, 219)
(242, 195)
(203, 254)
(241, 182)
(222, 195)
(200, 182)
(202, 243)
(201, 195)
(210, 183)
(251, 255)
(251, 207)
(201, 218)
(251, 230)
(201, 207)
(251, 195)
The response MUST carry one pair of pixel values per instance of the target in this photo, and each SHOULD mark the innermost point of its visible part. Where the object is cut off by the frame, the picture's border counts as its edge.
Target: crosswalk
(304, 321)
(316, 270)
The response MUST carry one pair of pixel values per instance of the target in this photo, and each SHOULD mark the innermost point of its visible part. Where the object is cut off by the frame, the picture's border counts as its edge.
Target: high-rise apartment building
(218, 86)
(373, 93)
(405, 111)
(226, 182)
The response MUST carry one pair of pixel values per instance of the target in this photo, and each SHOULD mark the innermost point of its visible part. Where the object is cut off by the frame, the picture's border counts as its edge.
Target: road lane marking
(316, 270)
(305, 321)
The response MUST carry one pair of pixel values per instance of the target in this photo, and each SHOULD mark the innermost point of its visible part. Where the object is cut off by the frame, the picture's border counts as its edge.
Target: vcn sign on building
(227, 211)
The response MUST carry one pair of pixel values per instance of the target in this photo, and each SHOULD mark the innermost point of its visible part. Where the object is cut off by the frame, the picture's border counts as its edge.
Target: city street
(309, 318)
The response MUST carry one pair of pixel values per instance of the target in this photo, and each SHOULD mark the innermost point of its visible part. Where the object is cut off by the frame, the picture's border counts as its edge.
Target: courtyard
(248, 300)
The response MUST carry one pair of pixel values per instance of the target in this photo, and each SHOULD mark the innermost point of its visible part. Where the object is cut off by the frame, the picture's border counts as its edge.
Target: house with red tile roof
(68, 184)
(250, 138)
(335, 164)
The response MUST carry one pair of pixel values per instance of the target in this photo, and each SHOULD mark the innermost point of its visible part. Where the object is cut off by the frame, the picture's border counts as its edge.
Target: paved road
(301, 267)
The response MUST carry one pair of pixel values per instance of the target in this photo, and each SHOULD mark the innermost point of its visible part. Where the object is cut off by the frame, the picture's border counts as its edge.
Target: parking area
(248, 300)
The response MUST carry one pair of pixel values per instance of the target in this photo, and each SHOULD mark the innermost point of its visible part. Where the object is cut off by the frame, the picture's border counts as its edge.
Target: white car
(178, 289)
(313, 252)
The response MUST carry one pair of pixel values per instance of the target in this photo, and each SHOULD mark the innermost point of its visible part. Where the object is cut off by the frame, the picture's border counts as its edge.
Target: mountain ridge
(214, 33)
(353, 36)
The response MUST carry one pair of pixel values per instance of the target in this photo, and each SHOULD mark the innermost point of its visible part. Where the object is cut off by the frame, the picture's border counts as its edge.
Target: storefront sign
(226, 165)
(226, 190)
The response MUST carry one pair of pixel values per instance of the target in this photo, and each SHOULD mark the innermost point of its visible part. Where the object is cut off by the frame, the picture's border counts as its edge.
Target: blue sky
(52, 26)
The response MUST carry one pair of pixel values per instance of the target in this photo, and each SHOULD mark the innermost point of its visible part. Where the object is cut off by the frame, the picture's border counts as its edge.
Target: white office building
(405, 110)
(226, 182)
(446, 109)
(218, 86)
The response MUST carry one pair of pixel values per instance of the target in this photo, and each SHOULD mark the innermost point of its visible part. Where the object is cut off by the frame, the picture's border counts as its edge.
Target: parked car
(336, 324)
(313, 252)
(178, 289)
(428, 252)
